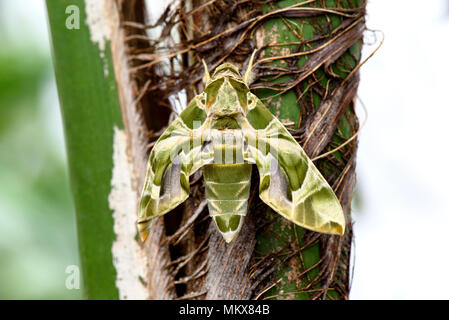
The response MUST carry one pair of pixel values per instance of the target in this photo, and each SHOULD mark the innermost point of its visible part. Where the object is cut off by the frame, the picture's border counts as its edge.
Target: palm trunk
(306, 73)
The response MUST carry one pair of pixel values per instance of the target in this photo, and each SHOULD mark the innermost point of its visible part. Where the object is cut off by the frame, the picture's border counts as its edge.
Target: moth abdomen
(227, 193)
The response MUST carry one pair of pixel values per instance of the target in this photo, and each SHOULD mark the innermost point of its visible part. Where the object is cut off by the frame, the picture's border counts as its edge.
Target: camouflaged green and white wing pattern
(172, 160)
(289, 182)
(225, 130)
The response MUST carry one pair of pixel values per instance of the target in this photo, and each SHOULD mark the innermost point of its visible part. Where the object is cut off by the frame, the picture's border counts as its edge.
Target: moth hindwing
(225, 130)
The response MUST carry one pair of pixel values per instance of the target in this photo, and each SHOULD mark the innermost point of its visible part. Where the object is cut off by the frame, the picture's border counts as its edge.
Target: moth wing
(289, 181)
(176, 155)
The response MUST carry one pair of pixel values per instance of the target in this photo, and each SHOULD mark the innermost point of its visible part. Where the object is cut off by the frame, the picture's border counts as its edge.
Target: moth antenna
(247, 78)
(206, 72)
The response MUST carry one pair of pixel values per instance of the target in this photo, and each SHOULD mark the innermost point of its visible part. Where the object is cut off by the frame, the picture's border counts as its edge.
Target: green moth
(225, 130)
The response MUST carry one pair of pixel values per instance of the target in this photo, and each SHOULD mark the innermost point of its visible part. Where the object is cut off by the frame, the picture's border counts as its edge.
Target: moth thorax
(226, 102)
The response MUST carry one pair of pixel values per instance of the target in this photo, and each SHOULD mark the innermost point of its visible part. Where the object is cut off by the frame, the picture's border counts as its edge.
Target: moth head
(227, 70)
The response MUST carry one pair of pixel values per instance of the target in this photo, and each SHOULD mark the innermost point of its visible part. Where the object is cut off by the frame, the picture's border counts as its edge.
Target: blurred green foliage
(37, 224)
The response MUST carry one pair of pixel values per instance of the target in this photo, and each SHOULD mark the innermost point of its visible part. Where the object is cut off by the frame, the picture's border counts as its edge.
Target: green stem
(90, 110)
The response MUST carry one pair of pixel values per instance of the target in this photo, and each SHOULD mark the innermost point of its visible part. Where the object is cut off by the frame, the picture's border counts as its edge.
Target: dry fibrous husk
(189, 259)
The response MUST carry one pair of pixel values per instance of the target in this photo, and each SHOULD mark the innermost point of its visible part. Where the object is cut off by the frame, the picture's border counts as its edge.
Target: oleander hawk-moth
(225, 130)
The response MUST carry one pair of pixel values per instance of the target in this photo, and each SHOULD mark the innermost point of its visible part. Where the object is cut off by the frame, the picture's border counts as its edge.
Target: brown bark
(187, 257)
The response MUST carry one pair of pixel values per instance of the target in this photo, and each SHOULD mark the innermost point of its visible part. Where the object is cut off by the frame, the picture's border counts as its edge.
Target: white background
(401, 230)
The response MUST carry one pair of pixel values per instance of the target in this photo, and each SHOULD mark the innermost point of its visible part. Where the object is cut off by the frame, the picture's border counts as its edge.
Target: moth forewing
(225, 130)
(307, 198)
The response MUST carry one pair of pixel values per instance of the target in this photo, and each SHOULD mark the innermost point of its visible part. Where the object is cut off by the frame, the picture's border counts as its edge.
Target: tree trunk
(305, 72)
